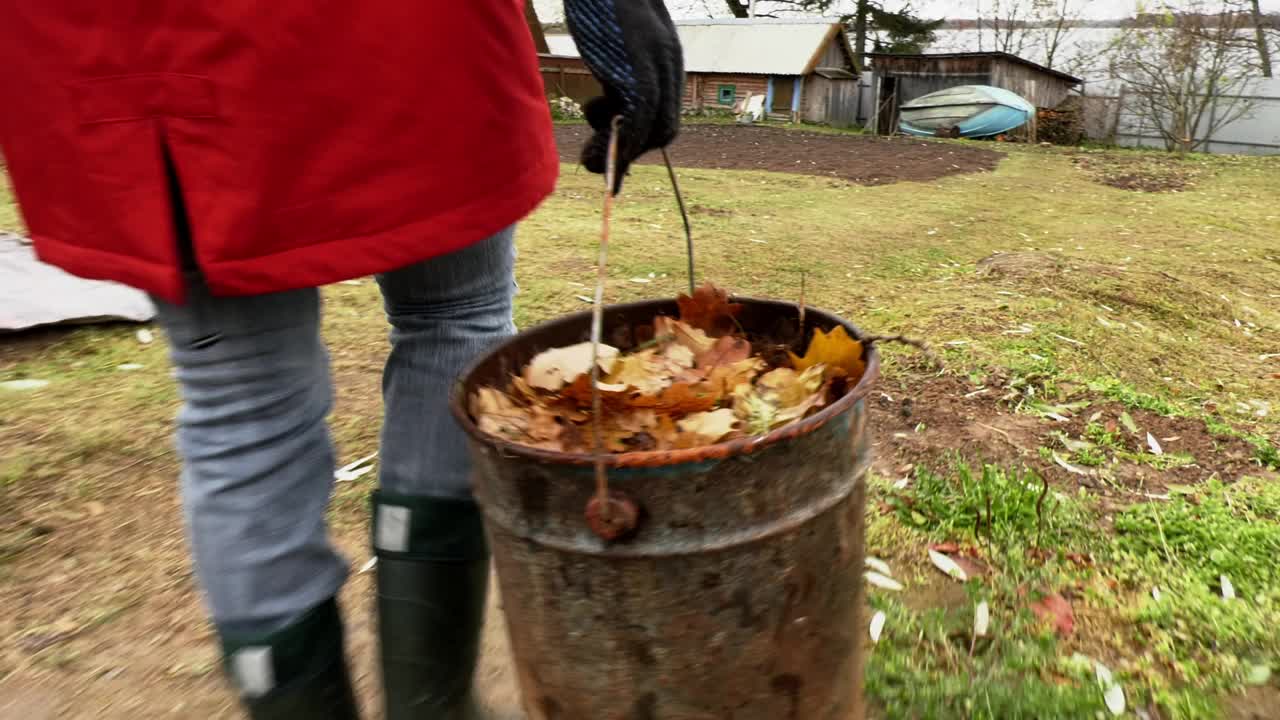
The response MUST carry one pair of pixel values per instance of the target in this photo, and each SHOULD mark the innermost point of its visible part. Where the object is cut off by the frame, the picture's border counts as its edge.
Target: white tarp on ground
(33, 293)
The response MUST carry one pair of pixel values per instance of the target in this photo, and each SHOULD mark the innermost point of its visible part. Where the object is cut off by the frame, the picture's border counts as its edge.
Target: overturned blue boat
(969, 111)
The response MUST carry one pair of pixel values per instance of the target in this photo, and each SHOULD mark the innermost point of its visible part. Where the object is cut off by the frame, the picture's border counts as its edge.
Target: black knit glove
(632, 48)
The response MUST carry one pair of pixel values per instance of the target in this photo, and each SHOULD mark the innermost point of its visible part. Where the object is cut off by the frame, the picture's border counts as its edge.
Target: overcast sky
(1096, 8)
(551, 10)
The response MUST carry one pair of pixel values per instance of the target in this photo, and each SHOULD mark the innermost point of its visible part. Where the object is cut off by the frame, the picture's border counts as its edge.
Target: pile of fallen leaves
(700, 380)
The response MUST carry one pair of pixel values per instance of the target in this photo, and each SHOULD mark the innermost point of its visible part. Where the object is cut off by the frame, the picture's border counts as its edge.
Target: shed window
(726, 94)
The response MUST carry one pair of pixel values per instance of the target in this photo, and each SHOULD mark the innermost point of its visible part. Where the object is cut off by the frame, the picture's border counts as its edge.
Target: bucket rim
(458, 403)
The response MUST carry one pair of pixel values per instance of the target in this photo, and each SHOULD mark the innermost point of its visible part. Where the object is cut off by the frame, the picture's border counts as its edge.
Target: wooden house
(803, 68)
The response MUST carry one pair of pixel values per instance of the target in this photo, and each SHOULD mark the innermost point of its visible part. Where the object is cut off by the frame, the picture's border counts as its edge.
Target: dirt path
(860, 159)
(137, 669)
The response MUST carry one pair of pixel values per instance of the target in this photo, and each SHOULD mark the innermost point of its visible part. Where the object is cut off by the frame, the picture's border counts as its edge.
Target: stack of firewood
(1063, 125)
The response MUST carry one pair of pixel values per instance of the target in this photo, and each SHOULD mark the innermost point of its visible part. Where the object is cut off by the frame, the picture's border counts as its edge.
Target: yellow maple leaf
(836, 350)
(643, 371)
(779, 397)
(711, 426)
(785, 387)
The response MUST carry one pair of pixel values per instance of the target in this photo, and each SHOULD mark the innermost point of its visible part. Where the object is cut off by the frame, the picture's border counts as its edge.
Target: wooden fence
(564, 76)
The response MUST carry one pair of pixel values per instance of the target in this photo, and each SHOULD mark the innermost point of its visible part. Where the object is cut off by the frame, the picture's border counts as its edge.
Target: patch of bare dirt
(1139, 173)
(710, 211)
(1257, 703)
(573, 266)
(928, 422)
(1034, 265)
(1226, 457)
(859, 159)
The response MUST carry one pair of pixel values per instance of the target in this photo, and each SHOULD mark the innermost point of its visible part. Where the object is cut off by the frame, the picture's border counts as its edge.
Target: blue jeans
(257, 459)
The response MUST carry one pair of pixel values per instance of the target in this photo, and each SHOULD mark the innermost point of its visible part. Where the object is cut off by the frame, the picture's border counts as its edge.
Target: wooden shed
(899, 79)
(803, 67)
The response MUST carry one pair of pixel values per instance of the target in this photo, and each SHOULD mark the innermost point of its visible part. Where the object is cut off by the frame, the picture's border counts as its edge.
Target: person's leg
(427, 532)
(257, 473)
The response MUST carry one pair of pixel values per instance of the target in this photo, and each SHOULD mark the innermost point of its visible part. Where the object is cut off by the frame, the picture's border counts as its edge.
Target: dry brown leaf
(666, 432)
(680, 398)
(972, 566)
(710, 426)
(678, 357)
(555, 368)
(578, 393)
(683, 334)
(725, 378)
(497, 414)
(690, 382)
(709, 310)
(522, 392)
(637, 420)
(727, 351)
(629, 431)
(1057, 612)
(836, 350)
(544, 426)
(649, 372)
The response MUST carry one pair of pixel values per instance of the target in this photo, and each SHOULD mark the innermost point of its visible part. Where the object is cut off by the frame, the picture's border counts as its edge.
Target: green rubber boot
(296, 673)
(433, 576)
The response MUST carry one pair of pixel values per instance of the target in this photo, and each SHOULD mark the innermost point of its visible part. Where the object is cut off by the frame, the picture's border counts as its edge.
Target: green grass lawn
(1161, 305)
(8, 210)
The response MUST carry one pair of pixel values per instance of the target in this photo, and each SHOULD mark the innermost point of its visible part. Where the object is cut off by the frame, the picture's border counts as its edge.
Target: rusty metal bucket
(740, 595)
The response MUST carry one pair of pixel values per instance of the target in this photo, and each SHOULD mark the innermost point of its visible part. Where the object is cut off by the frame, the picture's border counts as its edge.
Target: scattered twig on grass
(135, 463)
(1163, 542)
(1044, 493)
(920, 345)
(990, 527)
(996, 430)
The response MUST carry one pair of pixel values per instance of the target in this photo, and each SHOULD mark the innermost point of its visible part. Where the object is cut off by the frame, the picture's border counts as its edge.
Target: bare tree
(1058, 22)
(1042, 30)
(1253, 28)
(742, 8)
(1186, 76)
(1005, 25)
(1260, 38)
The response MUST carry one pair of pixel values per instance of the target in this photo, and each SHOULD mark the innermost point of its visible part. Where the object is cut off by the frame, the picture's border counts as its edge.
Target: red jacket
(314, 140)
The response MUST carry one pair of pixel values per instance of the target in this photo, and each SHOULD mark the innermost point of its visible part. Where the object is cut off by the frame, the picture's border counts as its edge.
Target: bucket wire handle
(610, 514)
(684, 215)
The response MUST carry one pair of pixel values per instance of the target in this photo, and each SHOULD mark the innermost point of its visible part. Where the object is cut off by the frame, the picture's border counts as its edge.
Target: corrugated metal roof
(937, 57)
(754, 47)
(562, 45)
(758, 47)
